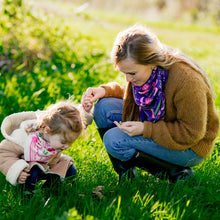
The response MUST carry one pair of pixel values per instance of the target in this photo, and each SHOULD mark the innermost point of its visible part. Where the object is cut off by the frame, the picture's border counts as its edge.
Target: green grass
(54, 56)
(145, 198)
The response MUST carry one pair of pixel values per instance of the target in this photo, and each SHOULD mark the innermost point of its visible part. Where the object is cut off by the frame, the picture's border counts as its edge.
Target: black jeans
(36, 174)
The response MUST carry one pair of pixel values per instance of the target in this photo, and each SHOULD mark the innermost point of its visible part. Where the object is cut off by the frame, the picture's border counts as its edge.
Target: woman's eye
(132, 74)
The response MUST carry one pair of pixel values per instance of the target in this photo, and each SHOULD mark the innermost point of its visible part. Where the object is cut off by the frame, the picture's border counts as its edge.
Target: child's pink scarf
(39, 149)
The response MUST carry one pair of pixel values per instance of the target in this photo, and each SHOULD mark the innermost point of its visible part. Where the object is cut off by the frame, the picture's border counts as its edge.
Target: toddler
(39, 139)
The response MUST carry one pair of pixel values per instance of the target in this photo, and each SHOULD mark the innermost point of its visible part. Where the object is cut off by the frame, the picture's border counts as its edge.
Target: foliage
(45, 58)
(194, 12)
(43, 61)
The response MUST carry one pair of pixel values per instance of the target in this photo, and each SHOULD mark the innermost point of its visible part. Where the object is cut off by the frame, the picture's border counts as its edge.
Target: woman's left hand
(132, 128)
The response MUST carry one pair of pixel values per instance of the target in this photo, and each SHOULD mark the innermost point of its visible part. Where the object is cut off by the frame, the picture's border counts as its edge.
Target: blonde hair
(142, 46)
(62, 118)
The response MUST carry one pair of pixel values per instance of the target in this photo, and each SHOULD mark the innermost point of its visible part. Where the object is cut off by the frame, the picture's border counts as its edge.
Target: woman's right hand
(90, 96)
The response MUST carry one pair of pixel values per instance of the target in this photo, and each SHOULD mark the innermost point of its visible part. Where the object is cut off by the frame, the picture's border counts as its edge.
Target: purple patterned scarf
(150, 97)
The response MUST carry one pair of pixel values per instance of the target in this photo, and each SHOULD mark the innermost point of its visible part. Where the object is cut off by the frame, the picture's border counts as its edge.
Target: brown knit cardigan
(191, 119)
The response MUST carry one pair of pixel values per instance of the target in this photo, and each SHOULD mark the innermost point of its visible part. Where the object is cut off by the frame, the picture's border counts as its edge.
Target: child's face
(58, 142)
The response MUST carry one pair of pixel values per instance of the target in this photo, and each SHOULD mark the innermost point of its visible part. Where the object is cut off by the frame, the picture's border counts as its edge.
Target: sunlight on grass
(53, 52)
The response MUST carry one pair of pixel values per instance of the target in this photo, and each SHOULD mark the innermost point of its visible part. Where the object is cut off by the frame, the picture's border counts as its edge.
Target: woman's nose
(128, 78)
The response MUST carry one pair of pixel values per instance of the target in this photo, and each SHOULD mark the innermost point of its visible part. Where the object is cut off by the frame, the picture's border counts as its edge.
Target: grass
(145, 198)
(54, 56)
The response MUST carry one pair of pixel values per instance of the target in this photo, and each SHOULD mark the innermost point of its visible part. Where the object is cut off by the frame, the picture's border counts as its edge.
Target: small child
(34, 143)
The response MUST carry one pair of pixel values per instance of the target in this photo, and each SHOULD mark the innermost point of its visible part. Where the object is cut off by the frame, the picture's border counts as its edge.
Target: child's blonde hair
(62, 118)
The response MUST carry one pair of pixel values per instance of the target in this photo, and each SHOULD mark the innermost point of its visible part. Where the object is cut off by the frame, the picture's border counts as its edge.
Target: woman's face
(135, 73)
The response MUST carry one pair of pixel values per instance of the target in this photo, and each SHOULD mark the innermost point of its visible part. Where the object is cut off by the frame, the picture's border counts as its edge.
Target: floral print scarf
(150, 97)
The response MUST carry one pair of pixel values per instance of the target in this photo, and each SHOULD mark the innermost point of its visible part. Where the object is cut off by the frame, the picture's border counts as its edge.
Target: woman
(169, 121)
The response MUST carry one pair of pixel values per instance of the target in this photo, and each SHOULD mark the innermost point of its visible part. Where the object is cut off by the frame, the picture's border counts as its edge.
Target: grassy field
(50, 51)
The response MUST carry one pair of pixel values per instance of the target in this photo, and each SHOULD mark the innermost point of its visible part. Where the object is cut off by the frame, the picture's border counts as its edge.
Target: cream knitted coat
(191, 119)
(35, 148)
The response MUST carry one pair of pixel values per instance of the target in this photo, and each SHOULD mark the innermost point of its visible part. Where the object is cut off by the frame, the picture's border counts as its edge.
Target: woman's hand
(132, 128)
(90, 96)
(23, 176)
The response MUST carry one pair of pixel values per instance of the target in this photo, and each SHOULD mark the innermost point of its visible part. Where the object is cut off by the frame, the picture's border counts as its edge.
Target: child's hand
(23, 176)
(86, 102)
(90, 96)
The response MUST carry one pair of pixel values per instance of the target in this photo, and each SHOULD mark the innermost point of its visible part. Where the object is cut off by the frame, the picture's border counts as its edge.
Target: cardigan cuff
(113, 89)
(108, 92)
(15, 170)
(147, 130)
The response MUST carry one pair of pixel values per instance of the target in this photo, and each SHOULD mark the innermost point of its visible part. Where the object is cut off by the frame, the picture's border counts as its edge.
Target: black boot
(150, 163)
(160, 167)
(123, 168)
(102, 131)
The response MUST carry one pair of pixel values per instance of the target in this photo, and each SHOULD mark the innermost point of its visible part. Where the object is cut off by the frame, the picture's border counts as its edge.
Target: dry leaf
(97, 191)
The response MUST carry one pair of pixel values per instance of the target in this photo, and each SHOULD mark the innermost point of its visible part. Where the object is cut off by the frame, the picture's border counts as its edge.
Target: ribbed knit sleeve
(113, 89)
